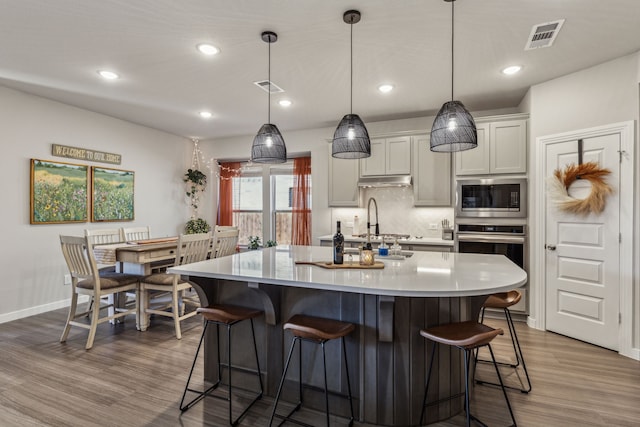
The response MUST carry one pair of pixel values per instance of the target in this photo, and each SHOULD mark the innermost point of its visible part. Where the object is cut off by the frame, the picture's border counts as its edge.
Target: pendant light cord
(269, 78)
(351, 80)
(452, 32)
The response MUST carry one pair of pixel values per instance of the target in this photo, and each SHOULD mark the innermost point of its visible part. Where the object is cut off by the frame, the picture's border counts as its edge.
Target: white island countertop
(425, 274)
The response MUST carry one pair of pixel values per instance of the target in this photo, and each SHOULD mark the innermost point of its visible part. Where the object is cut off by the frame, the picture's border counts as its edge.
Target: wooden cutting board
(346, 265)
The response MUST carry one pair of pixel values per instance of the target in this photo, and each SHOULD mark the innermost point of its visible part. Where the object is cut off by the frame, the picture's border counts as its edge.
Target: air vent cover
(543, 35)
(264, 85)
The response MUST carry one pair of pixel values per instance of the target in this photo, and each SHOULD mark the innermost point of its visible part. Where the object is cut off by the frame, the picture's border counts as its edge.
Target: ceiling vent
(543, 35)
(264, 85)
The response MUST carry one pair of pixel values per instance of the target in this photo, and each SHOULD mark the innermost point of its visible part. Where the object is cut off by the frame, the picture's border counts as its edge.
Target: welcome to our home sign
(85, 154)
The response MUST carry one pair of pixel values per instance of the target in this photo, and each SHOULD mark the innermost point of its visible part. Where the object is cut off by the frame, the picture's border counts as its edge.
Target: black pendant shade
(351, 139)
(453, 128)
(268, 145)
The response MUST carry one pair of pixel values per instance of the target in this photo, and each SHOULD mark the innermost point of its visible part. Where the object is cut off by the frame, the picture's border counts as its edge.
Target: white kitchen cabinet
(502, 148)
(431, 174)
(389, 156)
(343, 182)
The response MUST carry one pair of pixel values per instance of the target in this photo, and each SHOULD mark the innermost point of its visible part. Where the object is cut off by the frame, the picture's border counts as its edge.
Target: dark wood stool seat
(503, 301)
(318, 331)
(317, 328)
(227, 316)
(228, 313)
(467, 336)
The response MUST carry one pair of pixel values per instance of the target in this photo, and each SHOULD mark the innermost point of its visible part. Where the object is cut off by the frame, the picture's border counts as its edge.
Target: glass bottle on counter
(338, 246)
(383, 249)
(396, 249)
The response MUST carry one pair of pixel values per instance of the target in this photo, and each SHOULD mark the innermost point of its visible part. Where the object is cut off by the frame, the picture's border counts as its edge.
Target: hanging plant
(196, 183)
(561, 180)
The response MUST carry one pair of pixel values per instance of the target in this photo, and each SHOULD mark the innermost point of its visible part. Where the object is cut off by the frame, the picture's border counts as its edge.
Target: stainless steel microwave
(491, 198)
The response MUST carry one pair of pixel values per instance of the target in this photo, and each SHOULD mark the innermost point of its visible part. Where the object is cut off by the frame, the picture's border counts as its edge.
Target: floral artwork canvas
(112, 194)
(59, 192)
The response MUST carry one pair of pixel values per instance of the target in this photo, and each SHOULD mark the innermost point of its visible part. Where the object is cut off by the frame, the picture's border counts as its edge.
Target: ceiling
(54, 48)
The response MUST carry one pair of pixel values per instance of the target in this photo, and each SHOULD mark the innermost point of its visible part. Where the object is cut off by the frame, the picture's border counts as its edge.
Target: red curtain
(301, 221)
(225, 195)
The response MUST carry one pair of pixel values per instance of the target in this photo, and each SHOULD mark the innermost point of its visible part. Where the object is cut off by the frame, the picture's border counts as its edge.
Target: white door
(583, 251)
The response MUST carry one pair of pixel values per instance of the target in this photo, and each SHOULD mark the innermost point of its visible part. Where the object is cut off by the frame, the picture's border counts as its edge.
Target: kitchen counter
(412, 243)
(386, 353)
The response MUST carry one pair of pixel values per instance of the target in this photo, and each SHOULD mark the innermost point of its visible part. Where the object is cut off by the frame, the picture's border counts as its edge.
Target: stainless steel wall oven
(496, 238)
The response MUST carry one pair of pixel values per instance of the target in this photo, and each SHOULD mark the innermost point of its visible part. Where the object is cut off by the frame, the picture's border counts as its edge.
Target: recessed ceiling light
(385, 88)
(208, 49)
(284, 103)
(511, 70)
(109, 75)
(205, 114)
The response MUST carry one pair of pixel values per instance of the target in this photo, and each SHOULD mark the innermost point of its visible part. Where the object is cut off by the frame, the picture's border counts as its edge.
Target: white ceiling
(53, 49)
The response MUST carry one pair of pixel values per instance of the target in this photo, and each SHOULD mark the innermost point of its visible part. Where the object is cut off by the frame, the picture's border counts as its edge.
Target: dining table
(138, 257)
(387, 357)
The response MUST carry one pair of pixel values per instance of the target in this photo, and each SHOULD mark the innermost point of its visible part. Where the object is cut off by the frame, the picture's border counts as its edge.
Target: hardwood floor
(133, 378)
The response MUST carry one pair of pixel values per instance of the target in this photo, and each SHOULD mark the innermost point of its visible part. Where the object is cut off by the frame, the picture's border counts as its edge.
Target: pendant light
(351, 139)
(453, 128)
(268, 145)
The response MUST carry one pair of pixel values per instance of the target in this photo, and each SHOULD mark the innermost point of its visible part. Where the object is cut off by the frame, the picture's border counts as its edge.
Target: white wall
(33, 268)
(604, 94)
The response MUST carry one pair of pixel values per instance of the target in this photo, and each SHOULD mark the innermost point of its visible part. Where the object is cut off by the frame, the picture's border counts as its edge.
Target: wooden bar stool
(225, 315)
(504, 300)
(318, 331)
(466, 336)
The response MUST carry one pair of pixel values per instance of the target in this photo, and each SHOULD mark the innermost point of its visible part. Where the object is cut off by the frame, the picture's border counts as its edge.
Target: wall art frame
(59, 192)
(112, 194)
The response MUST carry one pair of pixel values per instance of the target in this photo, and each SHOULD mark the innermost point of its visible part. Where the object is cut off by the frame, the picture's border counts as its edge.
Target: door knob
(551, 247)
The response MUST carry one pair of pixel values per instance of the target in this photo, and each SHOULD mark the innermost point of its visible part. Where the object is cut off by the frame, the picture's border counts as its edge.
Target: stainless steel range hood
(385, 181)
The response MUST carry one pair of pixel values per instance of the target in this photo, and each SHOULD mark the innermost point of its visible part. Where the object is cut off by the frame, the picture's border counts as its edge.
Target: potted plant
(196, 183)
(197, 225)
(254, 243)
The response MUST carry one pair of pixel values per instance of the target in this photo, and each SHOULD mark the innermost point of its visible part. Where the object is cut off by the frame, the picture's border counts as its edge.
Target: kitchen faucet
(371, 199)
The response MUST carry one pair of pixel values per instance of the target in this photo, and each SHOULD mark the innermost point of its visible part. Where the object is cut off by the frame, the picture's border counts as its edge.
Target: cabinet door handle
(551, 247)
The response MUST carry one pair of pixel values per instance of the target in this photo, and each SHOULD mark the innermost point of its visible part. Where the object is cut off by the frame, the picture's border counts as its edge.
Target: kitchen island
(387, 356)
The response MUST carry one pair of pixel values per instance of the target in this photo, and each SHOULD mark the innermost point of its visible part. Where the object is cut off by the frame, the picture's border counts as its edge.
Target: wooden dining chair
(86, 279)
(131, 234)
(104, 236)
(191, 248)
(225, 241)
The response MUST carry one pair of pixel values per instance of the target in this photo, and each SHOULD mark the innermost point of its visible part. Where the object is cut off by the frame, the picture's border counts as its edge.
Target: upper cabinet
(343, 182)
(389, 156)
(431, 174)
(502, 148)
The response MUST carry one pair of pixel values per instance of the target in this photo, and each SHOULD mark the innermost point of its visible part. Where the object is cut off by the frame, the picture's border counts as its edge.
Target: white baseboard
(32, 311)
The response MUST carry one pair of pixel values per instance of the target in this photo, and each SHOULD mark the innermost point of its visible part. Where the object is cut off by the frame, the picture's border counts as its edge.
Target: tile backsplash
(396, 214)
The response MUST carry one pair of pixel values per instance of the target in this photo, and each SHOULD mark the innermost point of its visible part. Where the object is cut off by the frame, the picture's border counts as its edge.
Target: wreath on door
(561, 180)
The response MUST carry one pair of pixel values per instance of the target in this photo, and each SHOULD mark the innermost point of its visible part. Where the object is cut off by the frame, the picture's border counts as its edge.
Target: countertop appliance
(491, 198)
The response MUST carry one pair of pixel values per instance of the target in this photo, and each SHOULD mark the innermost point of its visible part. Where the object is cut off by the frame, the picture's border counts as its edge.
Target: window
(247, 204)
(262, 200)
